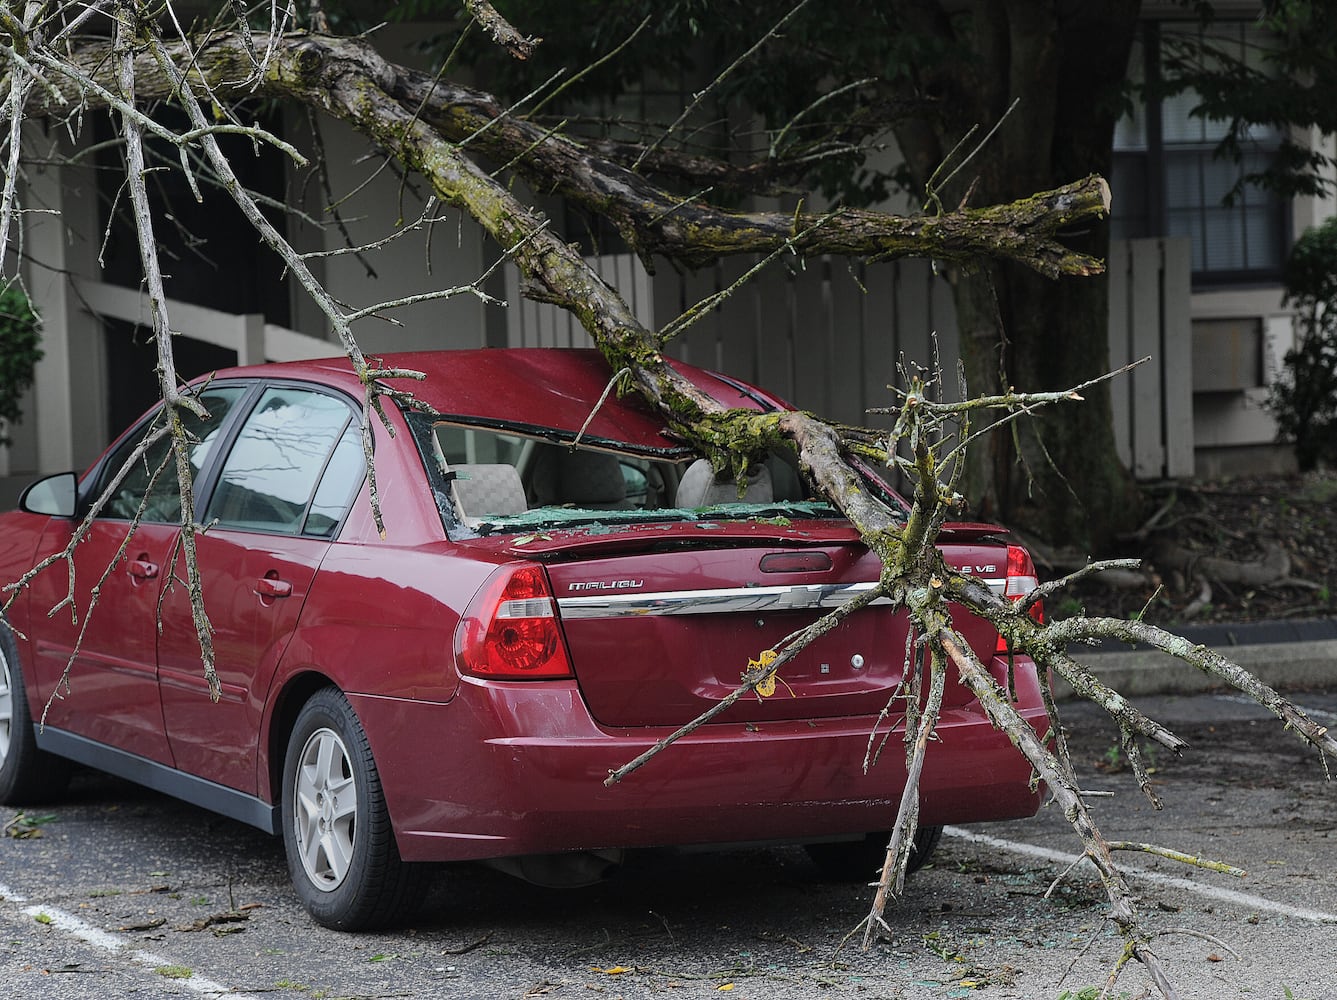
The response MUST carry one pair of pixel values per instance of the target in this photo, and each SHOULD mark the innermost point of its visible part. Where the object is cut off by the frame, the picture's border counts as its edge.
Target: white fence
(249, 335)
(1149, 317)
(828, 335)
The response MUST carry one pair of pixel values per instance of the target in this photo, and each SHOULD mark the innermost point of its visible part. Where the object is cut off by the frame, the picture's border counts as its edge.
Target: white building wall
(1234, 432)
(376, 203)
(65, 422)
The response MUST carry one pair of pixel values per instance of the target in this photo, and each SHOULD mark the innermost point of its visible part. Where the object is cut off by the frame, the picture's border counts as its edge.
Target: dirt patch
(1248, 549)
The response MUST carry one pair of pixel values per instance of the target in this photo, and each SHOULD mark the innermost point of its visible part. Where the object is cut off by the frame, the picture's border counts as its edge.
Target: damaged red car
(537, 613)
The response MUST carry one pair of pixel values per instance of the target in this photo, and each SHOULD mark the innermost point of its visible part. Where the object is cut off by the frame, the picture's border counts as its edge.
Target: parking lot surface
(127, 893)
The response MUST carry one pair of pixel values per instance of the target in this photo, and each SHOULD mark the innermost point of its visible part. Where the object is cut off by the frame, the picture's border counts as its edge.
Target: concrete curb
(1146, 672)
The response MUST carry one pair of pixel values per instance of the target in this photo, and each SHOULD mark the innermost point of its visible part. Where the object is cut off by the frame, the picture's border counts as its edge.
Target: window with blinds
(1169, 181)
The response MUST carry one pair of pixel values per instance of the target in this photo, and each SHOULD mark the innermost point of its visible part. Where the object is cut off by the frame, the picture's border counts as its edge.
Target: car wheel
(336, 828)
(27, 774)
(862, 860)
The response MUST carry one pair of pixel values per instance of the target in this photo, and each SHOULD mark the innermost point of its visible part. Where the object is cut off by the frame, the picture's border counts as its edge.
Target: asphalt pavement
(127, 893)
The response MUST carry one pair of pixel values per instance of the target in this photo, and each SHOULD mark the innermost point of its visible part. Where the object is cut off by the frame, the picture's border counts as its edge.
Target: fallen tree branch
(650, 219)
(1071, 630)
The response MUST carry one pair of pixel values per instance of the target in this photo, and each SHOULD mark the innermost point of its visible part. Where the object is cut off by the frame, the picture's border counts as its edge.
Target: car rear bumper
(461, 785)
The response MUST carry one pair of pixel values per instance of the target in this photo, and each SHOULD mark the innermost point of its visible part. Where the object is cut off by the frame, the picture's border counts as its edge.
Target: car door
(279, 497)
(96, 661)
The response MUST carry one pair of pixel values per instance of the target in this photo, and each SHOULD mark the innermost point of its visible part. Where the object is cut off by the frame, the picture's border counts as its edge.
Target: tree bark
(652, 220)
(1065, 63)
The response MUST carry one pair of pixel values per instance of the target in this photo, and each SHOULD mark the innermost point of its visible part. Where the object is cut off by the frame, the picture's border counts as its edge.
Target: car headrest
(489, 489)
(702, 487)
(582, 478)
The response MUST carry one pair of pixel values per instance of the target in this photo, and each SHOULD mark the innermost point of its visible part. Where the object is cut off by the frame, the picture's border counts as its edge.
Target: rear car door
(110, 693)
(279, 498)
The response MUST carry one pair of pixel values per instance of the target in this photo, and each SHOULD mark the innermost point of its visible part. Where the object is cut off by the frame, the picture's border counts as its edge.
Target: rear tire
(862, 860)
(341, 848)
(27, 774)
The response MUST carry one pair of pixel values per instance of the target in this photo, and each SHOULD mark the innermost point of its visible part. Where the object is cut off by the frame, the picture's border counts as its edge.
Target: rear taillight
(510, 631)
(1021, 580)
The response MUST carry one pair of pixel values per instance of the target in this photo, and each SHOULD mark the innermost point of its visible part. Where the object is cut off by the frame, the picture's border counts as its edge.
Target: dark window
(269, 479)
(1169, 181)
(152, 478)
(132, 368)
(209, 252)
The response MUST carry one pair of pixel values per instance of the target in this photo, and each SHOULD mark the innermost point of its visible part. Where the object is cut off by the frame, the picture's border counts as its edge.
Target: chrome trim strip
(723, 600)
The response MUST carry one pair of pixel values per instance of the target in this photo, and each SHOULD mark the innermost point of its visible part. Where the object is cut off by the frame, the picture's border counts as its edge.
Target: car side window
(269, 478)
(152, 480)
(342, 478)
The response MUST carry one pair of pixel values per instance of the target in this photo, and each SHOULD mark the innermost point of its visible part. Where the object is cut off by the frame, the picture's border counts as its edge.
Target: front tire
(27, 774)
(341, 848)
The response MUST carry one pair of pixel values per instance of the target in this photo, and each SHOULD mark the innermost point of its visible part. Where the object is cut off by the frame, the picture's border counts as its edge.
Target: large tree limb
(652, 220)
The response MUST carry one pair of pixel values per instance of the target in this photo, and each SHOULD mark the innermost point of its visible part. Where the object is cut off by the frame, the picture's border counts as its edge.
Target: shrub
(20, 350)
(1304, 395)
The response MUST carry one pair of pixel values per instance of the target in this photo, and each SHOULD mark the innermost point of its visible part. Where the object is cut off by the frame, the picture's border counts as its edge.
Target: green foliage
(827, 89)
(1304, 395)
(20, 350)
(1288, 83)
(1114, 761)
(26, 827)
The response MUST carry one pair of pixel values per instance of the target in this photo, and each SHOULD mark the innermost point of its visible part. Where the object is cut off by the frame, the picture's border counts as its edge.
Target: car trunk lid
(661, 625)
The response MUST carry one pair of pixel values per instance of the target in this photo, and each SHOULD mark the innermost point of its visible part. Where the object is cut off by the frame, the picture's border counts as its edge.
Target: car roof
(530, 390)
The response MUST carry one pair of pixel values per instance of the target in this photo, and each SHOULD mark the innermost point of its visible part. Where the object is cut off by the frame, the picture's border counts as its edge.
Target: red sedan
(537, 613)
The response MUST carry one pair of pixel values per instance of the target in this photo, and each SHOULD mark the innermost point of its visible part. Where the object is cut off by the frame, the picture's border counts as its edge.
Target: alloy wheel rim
(325, 810)
(6, 707)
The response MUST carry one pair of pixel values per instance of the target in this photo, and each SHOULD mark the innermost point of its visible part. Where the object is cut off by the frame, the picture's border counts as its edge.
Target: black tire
(27, 775)
(862, 860)
(342, 855)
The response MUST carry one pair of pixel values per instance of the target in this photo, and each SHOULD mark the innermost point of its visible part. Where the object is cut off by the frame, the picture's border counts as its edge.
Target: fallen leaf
(230, 917)
(724, 987)
(148, 925)
(1214, 957)
(615, 970)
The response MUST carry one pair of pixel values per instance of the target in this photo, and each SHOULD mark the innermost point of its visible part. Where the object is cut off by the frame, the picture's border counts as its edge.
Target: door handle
(268, 586)
(142, 569)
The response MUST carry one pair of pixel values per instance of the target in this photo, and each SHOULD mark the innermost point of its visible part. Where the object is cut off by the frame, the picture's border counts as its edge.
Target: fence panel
(830, 336)
(1149, 317)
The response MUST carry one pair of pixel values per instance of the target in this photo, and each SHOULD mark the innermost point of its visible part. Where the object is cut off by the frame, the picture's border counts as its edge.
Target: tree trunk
(1058, 475)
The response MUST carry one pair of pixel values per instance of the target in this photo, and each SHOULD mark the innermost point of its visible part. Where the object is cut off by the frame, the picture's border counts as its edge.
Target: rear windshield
(487, 482)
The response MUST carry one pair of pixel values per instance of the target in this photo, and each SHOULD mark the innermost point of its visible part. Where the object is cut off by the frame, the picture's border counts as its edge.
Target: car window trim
(349, 498)
(670, 452)
(261, 386)
(88, 484)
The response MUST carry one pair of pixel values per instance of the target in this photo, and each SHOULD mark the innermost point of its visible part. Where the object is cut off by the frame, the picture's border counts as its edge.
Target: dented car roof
(547, 392)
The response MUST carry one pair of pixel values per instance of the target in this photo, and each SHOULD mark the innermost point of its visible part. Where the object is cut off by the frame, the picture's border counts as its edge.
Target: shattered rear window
(487, 481)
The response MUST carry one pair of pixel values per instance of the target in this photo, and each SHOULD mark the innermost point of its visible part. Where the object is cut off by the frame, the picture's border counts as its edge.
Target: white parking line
(118, 945)
(1314, 713)
(1246, 900)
